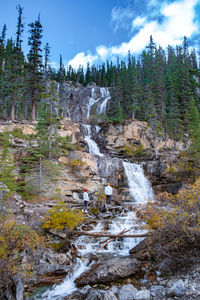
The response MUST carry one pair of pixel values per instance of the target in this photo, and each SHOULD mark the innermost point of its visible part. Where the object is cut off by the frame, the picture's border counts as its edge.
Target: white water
(139, 186)
(141, 192)
(91, 102)
(87, 245)
(92, 145)
(101, 108)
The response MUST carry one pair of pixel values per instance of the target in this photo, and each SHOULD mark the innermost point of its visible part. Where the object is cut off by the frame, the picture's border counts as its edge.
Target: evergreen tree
(16, 76)
(46, 58)
(88, 74)
(35, 78)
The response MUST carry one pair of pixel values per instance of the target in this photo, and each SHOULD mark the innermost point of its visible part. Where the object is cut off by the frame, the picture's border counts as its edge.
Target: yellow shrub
(76, 165)
(60, 217)
(14, 239)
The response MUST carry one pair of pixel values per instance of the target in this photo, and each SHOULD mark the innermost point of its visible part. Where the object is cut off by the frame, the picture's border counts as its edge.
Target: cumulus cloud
(81, 59)
(176, 20)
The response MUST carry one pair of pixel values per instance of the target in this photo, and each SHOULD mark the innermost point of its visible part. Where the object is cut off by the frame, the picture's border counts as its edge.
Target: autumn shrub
(60, 217)
(15, 240)
(175, 228)
(76, 165)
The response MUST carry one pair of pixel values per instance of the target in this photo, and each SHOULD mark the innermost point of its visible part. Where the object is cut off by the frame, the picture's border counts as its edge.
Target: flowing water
(101, 108)
(141, 192)
(139, 186)
(91, 102)
(92, 145)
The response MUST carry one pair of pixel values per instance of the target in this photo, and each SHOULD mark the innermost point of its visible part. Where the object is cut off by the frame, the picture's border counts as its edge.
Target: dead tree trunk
(101, 234)
(109, 240)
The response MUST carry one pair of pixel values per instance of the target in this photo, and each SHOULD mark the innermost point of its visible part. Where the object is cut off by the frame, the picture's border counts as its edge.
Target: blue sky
(94, 30)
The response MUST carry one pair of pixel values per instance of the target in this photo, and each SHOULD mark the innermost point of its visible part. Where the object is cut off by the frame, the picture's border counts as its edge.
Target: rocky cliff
(98, 150)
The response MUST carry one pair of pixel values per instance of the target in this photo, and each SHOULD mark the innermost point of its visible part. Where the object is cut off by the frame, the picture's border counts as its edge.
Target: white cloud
(54, 65)
(102, 51)
(81, 59)
(137, 22)
(121, 17)
(178, 21)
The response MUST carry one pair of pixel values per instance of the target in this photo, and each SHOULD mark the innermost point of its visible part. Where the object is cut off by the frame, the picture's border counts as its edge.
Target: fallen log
(109, 240)
(101, 234)
(121, 232)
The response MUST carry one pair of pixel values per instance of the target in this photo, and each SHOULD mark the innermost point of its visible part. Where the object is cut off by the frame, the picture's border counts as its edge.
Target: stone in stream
(109, 270)
(177, 289)
(127, 292)
(100, 295)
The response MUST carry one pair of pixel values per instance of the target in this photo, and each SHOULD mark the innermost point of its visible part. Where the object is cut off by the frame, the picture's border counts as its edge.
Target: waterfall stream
(101, 108)
(92, 145)
(141, 192)
(139, 186)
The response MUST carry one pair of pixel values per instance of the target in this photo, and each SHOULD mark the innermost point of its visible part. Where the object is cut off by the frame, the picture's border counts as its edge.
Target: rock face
(139, 133)
(110, 270)
(77, 102)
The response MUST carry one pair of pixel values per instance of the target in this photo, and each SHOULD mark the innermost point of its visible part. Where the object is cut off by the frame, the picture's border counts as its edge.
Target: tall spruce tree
(17, 68)
(35, 64)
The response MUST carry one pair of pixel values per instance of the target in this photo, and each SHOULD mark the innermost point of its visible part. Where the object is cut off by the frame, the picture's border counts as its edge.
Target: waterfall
(101, 108)
(140, 190)
(91, 102)
(92, 145)
(139, 186)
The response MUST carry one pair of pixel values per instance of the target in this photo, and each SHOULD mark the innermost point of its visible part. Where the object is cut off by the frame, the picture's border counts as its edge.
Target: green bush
(134, 150)
(17, 133)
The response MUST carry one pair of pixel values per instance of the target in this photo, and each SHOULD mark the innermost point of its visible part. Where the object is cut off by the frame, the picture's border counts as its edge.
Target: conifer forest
(158, 86)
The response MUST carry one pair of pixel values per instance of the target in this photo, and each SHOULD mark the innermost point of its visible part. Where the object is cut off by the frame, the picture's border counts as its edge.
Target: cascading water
(101, 108)
(92, 145)
(141, 192)
(91, 102)
(139, 186)
(87, 245)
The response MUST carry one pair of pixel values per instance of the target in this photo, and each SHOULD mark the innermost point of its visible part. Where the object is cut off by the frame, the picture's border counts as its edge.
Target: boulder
(109, 270)
(143, 295)
(100, 295)
(178, 289)
(51, 269)
(158, 292)
(127, 292)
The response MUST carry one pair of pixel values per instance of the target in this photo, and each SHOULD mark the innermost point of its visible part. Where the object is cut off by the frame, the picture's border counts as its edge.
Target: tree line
(159, 86)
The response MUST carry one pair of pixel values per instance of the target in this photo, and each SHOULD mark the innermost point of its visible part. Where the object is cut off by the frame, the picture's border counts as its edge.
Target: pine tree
(46, 58)
(17, 67)
(35, 78)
